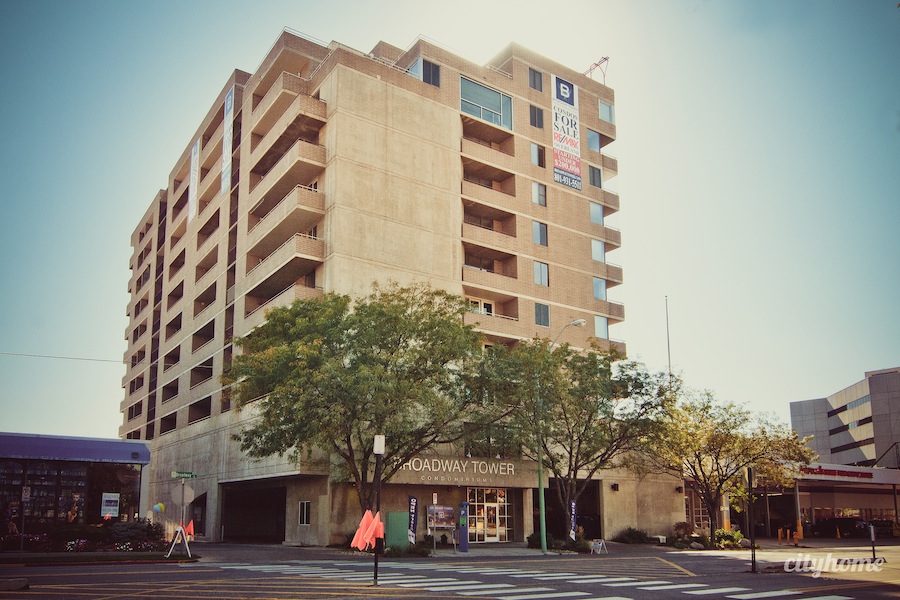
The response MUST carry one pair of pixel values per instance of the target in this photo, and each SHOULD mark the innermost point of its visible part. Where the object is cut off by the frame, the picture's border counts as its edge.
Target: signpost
(179, 531)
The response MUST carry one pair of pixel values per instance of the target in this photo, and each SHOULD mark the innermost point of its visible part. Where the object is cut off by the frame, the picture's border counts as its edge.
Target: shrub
(727, 539)
(28, 542)
(140, 530)
(683, 530)
(631, 535)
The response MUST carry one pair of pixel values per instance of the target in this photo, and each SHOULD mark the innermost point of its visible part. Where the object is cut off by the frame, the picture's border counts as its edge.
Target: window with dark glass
(541, 314)
(535, 80)
(596, 176)
(431, 73)
(536, 116)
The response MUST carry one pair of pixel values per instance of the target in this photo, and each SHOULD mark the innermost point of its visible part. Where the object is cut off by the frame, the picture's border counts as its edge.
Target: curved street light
(542, 510)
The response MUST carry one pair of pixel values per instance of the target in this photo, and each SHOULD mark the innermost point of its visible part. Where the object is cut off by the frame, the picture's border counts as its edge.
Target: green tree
(587, 411)
(323, 376)
(710, 443)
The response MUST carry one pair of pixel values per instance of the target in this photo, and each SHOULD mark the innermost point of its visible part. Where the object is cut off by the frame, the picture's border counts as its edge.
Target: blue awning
(50, 447)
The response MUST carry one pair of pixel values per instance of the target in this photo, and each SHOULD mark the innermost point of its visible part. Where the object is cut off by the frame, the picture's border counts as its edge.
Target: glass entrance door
(491, 531)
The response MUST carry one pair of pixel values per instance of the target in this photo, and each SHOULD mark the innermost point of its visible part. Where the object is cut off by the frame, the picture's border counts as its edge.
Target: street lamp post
(378, 449)
(542, 507)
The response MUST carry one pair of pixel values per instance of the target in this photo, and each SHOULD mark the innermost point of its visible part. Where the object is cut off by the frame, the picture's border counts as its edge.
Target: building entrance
(253, 513)
(489, 515)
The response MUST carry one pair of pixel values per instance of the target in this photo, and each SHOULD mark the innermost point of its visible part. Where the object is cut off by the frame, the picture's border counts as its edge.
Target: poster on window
(109, 506)
(566, 135)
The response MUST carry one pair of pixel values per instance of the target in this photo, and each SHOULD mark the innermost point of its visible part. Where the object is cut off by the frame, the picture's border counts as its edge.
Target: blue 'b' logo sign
(564, 91)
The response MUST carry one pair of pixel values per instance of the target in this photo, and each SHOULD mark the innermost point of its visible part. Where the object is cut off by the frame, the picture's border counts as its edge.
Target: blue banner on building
(572, 520)
(413, 518)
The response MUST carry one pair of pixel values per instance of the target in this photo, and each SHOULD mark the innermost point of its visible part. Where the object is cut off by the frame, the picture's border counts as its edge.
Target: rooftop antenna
(601, 64)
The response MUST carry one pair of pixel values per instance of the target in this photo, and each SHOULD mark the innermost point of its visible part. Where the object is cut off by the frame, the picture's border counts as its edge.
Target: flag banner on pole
(359, 539)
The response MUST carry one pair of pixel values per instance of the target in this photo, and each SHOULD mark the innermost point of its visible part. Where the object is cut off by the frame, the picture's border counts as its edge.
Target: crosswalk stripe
(429, 582)
(829, 598)
(548, 595)
(515, 590)
(555, 576)
(770, 594)
(635, 583)
(602, 580)
(726, 590)
(472, 586)
(674, 586)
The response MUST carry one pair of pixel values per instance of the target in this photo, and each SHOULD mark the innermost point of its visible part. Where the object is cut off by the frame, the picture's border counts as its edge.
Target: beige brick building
(328, 169)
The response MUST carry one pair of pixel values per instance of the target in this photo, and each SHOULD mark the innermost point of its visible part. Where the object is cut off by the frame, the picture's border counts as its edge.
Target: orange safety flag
(359, 539)
(375, 530)
(190, 528)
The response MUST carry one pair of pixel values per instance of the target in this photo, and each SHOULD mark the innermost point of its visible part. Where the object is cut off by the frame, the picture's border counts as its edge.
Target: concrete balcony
(276, 101)
(299, 211)
(299, 165)
(256, 310)
(295, 258)
(611, 273)
(493, 281)
(495, 324)
(488, 237)
(609, 166)
(302, 120)
(493, 197)
(487, 154)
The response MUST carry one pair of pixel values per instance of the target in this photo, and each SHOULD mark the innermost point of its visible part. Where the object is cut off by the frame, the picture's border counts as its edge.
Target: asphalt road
(635, 572)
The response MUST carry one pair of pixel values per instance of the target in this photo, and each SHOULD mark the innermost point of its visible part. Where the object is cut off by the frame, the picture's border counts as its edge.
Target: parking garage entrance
(254, 512)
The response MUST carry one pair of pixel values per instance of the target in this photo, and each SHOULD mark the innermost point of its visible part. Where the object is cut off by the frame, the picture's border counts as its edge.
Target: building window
(600, 288)
(431, 73)
(607, 113)
(536, 116)
(541, 314)
(598, 250)
(537, 154)
(535, 80)
(541, 273)
(485, 103)
(427, 71)
(601, 327)
(481, 307)
(593, 140)
(596, 176)
(304, 512)
(596, 213)
(539, 193)
(539, 233)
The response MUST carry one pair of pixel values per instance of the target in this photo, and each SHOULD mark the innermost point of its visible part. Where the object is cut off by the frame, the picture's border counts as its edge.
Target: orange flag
(375, 530)
(359, 541)
(190, 528)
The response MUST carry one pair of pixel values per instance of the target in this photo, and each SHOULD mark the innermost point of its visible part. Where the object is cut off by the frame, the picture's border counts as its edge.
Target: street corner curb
(11, 585)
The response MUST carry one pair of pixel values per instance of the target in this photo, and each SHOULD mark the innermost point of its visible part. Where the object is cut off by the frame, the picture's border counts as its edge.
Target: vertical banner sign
(227, 133)
(572, 515)
(109, 506)
(195, 181)
(566, 135)
(413, 518)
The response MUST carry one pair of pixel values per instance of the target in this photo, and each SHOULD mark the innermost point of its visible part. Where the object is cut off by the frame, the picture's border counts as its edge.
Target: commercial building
(858, 425)
(47, 481)
(854, 428)
(328, 169)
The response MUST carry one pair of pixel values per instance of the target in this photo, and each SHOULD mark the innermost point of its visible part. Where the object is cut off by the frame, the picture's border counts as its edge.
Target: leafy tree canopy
(330, 374)
(710, 443)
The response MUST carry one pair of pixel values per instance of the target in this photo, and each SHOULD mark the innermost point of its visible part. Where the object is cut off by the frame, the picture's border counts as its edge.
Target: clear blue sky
(758, 143)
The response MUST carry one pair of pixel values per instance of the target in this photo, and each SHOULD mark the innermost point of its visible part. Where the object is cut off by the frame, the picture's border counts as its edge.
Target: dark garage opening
(254, 513)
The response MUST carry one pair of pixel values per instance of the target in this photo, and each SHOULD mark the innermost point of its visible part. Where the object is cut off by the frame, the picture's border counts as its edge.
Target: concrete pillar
(527, 512)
